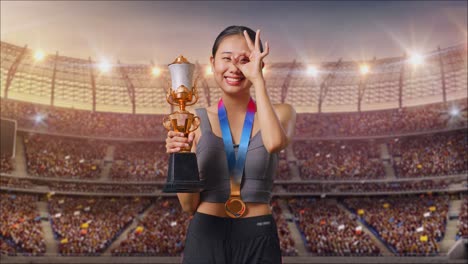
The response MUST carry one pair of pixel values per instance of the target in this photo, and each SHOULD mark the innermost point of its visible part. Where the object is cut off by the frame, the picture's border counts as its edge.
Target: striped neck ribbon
(236, 167)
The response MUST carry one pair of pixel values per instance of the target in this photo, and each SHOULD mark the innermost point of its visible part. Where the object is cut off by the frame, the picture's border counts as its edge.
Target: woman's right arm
(174, 142)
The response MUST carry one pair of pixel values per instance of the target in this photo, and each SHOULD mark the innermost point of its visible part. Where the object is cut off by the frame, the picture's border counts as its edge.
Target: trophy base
(182, 175)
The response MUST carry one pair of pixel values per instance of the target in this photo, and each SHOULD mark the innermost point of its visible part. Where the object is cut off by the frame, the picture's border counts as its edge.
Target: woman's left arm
(277, 122)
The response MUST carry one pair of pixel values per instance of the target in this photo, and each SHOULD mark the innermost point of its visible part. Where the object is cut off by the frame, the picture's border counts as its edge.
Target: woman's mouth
(234, 80)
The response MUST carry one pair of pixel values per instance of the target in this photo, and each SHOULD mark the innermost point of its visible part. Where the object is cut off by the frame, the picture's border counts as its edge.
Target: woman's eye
(226, 58)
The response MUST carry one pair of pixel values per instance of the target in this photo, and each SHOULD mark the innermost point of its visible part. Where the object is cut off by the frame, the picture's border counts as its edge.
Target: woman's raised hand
(251, 64)
(175, 141)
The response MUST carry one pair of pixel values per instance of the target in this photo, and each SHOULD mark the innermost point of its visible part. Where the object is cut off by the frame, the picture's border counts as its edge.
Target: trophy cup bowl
(182, 175)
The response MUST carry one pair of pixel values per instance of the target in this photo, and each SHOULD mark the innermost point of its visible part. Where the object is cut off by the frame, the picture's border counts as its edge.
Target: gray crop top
(260, 167)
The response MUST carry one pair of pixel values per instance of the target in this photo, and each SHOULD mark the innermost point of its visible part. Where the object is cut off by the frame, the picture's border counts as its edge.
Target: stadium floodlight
(416, 59)
(208, 70)
(454, 111)
(312, 71)
(39, 55)
(104, 66)
(364, 69)
(156, 71)
(38, 118)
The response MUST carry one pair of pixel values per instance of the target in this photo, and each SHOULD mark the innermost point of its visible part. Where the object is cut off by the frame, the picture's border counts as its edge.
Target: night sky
(137, 32)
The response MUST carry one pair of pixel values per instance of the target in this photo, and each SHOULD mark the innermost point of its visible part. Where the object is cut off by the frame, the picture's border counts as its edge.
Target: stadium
(376, 172)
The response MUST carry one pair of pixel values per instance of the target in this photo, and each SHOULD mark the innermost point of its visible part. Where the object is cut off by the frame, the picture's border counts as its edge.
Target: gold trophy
(182, 175)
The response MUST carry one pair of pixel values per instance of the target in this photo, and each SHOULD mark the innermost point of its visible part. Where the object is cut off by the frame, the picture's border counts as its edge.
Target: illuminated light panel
(208, 70)
(39, 55)
(416, 59)
(38, 118)
(454, 111)
(364, 69)
(155, 71)
(312, 71)
(104, 66)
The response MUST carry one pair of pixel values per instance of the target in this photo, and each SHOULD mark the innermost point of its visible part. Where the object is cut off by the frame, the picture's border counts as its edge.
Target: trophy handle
(194, 96)
(169, 99)
(195, 123)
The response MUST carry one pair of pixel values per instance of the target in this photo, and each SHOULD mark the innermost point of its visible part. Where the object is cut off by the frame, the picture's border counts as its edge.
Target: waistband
(212, 227)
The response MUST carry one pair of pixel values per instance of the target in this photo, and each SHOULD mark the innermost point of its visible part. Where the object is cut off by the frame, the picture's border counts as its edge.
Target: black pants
(212, 239)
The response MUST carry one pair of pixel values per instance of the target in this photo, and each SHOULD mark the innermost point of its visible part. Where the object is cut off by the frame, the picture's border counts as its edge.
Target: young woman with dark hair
(237, 148)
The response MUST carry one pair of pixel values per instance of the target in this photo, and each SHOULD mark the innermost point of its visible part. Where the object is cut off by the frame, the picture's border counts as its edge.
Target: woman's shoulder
(283, 107)
(212, 110)
(284, 111)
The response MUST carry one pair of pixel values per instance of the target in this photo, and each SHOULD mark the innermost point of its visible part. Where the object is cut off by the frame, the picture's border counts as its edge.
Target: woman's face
(227, 75)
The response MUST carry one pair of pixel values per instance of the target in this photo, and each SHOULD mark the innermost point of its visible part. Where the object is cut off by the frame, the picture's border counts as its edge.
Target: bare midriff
(217, 209)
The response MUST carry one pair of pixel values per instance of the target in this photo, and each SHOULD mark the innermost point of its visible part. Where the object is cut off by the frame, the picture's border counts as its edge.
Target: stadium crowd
(410, 225)
(86, 226)
(364, 187)
(20, 227)
(160, 233)
(319, 188)
(15, 183)
(334, 160)
(425, 185)
(383, 122)
(283, 173)
(430, 155)
(6, 164)
(103, 188)
(49, 156)
(463, 220)
(82, 122)
(139, 161)
(310, 187)
(371, 123)
(287, 244)
(6, 248)
(329, 231)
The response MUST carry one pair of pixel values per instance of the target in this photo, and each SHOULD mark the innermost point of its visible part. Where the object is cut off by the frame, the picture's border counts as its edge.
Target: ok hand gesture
(252, 67)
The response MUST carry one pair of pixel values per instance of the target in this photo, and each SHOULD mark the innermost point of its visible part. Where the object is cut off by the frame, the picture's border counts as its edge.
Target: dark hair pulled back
(233, 30)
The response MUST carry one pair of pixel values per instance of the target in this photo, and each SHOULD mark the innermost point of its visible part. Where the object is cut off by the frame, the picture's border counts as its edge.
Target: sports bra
(260, 167)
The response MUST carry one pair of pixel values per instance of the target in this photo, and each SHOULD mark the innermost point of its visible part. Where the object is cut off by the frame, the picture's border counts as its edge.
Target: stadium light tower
(104, 66)
(416, 59)
(39, 55)
(312, 70)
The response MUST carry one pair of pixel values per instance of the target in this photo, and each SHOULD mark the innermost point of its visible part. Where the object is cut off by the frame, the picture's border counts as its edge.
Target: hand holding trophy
(182, 176)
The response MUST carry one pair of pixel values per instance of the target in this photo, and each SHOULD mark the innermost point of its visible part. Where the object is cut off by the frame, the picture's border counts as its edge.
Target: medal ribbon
(236, 167)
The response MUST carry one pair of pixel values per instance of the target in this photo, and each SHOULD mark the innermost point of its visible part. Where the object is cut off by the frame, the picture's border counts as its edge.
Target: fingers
(249, 41)
(175, 141)
(171, 134)
(257, 40)
(191, 137)
(240, 55)
(241, 66)
(256, 46)
(266, 51)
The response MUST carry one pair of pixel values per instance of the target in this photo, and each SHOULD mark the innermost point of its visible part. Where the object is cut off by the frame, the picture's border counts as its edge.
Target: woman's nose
(233, 68)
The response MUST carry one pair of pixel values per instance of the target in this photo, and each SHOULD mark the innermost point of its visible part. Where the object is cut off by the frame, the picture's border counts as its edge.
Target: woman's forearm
(189, 202)
(274, 135)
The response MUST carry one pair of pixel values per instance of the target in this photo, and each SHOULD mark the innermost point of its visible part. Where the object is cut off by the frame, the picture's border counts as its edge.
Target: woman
(237, 149)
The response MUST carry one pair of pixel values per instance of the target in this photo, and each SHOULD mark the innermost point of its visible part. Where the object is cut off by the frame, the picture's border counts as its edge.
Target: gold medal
(235, 207)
